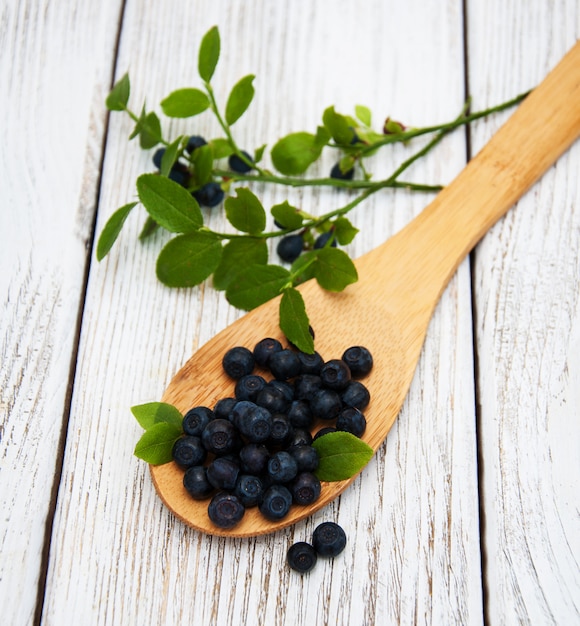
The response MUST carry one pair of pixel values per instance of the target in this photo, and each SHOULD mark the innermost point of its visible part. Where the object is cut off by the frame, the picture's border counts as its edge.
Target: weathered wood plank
(528, 326)
(56, 66)
(412, 518)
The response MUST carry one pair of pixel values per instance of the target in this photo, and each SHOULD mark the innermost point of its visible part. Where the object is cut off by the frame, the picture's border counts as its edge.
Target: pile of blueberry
(211, 194)
(254, 448)
(328, 540)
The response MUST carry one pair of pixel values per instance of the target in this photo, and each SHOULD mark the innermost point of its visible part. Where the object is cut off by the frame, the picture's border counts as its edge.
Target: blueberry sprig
(190, 176)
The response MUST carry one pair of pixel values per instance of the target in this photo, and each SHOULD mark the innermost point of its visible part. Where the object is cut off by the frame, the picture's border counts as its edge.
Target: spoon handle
(432, 246)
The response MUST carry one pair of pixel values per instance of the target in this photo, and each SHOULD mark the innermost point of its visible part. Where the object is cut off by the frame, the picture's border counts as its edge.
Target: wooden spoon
(388, 310)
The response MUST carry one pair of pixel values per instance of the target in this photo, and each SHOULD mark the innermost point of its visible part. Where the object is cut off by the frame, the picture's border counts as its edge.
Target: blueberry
(249, 387)
(238, 362)
(284, 364)
(356, 395)
(254, 458)
(272, 398)
(306, 458)
(179, 175)
(158, 156)
(276, 502)
(290, 247)
(335, 374)
(359, 360)
(286, 387)
(282, 467)
(249, 489)
(264, 348)
(326, 404)
(329, 539)
(210, 195)
(195, 142)
(305, 489)
(188, 451)
(255, 424)
(196, 419)
(324, 431)
(301, 557)
(301, 437)
(352, 421)
(337, 173)
(196, 483)
(306, 385)
(310, 363)
(239, 165)
(324, 238)
(282, 430)
(225, 510)
(220, 437)
(223, 473)
(300, 414)
(224, 407)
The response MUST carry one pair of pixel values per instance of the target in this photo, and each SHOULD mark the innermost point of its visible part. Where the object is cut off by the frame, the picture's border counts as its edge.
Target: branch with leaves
(190, 175)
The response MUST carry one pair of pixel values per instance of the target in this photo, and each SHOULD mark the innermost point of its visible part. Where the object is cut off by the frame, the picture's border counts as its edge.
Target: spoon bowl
(389, 309)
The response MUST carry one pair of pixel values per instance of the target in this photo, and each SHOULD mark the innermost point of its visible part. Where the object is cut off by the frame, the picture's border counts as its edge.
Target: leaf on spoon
(341, 455)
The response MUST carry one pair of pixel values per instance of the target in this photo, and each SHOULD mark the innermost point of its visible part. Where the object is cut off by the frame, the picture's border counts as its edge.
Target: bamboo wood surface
(483, 460)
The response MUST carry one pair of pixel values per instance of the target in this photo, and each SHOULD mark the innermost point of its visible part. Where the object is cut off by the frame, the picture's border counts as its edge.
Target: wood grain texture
(413, 552)
(56, 66)
(527, 329)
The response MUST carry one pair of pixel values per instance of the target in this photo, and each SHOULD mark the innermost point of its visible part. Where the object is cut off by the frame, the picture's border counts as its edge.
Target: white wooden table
(469, 513)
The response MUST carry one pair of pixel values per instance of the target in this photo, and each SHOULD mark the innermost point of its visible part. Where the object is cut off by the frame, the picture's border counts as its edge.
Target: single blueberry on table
(237, 164)
(290, 247)
(305, 488)
(301, 557)
(225, 510)
(210, 195)
(276, 502)
(189, 451)
(282, 467)
(329, 539)
(196, 483)
(284, 364)
(337, 173)
(355, 394)
(238, 362)
(249, 387)
(352, 421)
(223, 473)
(335, 374)
(196, 419)
(359, 360)
(264, 348)
(195, 142)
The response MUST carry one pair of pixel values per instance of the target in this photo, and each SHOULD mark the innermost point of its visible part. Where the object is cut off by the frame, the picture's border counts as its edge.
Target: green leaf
(304, 267)
(364, 114)
(156, 443)
(259, 154)
(341, 455)
(221, 148)
(256, 284)
(203, 165)
(294, 321)
(344, 231)
(187, 260)
(287, 215)
(112, 229)
(149, 227)
(170, 156)
(292, 155)
(148, 129)
(338, 126)
(209, 53)
(169, 204)
(185, 103)
(334, 269)
(239, 99)
(153, 413)
(119, 95)
(237, 254)
(245, 212)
